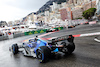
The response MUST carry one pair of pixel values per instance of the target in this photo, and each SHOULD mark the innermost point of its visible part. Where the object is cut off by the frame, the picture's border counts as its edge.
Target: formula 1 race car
(43, 48)
(51, 30)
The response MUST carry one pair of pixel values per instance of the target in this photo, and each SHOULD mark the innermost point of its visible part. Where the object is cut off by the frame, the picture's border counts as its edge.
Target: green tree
(60, 1)
(89, 13)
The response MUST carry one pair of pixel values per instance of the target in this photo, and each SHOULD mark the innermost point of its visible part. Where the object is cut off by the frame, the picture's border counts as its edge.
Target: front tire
(43, 54)
(71, 48)
(14, 48)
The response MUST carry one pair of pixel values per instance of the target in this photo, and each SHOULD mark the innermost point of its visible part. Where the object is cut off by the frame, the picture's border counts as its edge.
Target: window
(76, 1)
(22, 27)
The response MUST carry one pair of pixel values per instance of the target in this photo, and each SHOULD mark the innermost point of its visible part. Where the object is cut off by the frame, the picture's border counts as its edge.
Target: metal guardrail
(18, 35)
(40, 31)
(14, 36)
(26, 33)
(76, 22)
(3, 38)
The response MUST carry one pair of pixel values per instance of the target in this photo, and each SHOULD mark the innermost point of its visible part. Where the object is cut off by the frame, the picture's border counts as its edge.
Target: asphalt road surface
(86, 54)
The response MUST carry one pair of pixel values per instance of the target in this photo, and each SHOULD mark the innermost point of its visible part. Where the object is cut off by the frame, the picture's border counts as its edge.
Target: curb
(87, 34)
(39, 36)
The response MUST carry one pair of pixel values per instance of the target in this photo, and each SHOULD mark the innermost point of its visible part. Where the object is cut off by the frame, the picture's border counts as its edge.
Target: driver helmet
(36, 38)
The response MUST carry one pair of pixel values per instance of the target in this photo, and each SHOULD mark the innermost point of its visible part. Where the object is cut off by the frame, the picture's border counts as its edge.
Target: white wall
(47, 16)
(46, 13)
(98, 6)
(97, 2)
(55, 6)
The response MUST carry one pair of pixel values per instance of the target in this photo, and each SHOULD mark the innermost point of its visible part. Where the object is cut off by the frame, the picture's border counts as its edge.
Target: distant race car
(51, 30)
(71, 26)
(43, 48)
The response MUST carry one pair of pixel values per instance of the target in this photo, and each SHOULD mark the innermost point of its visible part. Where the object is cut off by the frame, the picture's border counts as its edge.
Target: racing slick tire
(68, 47)
(71, 48)
(14, 49)
(43, 54)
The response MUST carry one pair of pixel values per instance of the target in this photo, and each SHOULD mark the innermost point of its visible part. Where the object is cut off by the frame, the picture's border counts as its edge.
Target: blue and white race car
(43, 48)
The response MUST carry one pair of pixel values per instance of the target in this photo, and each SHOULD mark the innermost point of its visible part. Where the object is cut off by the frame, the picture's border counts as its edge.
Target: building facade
(3, 23)
(47, 16)
(98, 9)
(10, 23)
(55, 13)
(63, 13)
(78, 6)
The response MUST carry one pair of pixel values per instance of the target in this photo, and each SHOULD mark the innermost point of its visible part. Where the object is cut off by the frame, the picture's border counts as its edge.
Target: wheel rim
(39, 56)
(13, 49)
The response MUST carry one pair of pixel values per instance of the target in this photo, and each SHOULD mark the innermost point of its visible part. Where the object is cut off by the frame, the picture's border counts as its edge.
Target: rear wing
(70, 38)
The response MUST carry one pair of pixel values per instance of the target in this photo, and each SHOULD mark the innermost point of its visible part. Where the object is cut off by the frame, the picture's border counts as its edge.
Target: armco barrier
(35, 32)
(59, 28)
(27, 33)
(18, 35)
(14, 36)
(40, 31)
(3, 38)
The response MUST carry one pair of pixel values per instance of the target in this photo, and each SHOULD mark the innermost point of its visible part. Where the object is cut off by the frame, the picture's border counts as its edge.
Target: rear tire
(43, 54)
(71, 48)
(15, 48)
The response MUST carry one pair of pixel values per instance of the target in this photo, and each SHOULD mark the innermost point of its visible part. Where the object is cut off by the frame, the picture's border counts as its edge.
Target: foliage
(78, 18)
(89, 13)
(60, 1)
